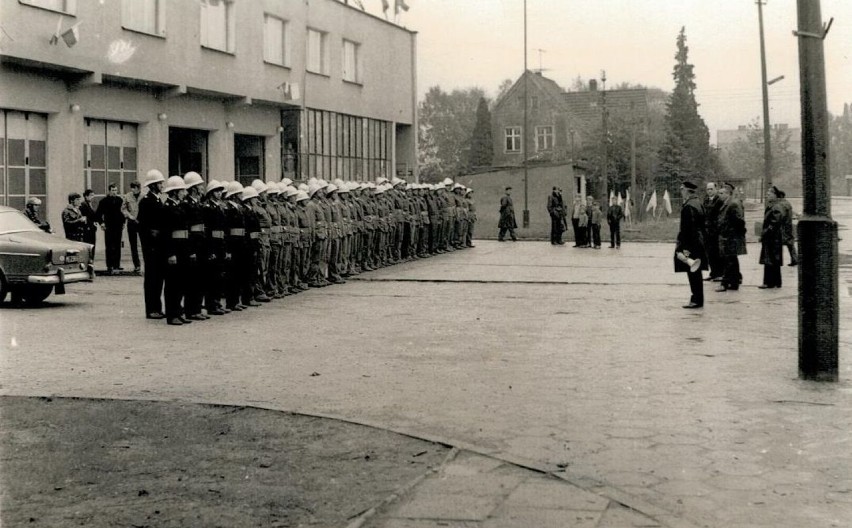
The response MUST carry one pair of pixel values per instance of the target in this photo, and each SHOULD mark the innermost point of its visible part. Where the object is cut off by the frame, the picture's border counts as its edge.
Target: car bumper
(63, 277)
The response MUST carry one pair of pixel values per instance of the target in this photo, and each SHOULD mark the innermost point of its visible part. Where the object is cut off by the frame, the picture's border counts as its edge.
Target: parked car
(34, 263)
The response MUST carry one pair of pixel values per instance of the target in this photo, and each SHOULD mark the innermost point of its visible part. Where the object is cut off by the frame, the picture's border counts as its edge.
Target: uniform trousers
(154, 276)
(112, 241)
(214, 275)
(175, 286)
(696, 287)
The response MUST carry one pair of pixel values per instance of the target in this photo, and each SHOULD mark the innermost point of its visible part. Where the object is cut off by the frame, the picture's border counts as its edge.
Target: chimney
(593, 85)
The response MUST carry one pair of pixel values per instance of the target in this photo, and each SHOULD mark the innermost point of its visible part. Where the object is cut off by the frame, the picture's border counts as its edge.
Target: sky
(480, 43)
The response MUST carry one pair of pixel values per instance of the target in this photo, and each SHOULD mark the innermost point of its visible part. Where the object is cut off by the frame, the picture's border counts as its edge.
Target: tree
(840, 149)
(481, 146)
(446, 124)
(745, 158)
(503, 89)
(686, 149)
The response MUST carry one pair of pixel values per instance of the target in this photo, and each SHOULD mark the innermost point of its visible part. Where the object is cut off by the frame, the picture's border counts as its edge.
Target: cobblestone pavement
(575, 362)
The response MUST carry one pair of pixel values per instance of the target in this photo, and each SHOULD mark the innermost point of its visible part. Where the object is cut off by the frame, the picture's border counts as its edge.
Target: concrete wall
(489, 188)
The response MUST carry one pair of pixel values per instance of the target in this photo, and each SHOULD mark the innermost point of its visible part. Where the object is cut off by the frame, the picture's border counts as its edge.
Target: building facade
(559, 123)
(94, 93)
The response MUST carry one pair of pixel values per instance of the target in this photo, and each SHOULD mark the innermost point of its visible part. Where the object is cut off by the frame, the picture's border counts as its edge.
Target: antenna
(540, 51)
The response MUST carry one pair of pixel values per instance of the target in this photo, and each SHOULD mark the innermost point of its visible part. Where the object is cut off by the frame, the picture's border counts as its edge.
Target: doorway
(187, 151)
(248, 158)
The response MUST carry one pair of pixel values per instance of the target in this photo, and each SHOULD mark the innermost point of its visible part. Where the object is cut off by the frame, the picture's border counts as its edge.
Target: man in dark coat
(712, 205)
(690, 242)
(556, 209)
(111, 217)
(613, 218)
(789, 235)
(772, 240)
(507, 217)
(732, 243)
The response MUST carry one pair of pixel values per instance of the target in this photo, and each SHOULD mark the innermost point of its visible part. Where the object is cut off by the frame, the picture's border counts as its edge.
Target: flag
(400, 4)
(667, 202)
(652, 203)
(627, 204)
(619, 200)
(611, 197)
(71, 36)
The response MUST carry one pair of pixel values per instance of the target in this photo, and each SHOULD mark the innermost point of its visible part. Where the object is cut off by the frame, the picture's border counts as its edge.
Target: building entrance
(248, 158)
(187, 151)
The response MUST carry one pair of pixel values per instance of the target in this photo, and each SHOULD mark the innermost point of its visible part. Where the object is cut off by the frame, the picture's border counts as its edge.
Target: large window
(275, 45)
(317, 52)
(147, 16)
(350, 61)
(23, 158)
(513, 139)
(218, 25)
(344, 146)
(109, 156)
(543, 138)
(63, 6)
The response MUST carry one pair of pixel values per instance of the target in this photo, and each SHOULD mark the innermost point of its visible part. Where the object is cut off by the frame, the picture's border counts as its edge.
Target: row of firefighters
(221, 247)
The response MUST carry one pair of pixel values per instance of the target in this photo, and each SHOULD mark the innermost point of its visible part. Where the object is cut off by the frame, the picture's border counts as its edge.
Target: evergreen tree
(481, 146)
(686, 149)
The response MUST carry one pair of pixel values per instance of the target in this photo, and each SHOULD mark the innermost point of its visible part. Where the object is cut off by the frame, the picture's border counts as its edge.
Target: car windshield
(15, 222)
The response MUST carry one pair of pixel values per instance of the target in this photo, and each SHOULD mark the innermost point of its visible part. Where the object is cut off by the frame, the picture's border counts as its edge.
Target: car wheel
(4, 288)
(34, 294)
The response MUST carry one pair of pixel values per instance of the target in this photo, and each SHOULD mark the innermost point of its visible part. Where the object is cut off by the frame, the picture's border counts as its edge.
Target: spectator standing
(73, 221)
(772, 240)
(595, 217)
(130, 210)
(613, 217)
(111, 217)
(732, 243)
(577, 222)
(556, 209)
(789, 235)
(88, 210)
(507, 217)
(690, 242)
(31, 211)
(712, 205)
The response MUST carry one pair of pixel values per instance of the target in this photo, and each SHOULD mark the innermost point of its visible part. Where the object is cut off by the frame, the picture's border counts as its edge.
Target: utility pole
(602, 187)
(526, 124)
(766, 181)
(817, 232)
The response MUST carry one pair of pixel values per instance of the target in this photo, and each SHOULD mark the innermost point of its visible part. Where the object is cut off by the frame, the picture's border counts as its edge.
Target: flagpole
(526, 124)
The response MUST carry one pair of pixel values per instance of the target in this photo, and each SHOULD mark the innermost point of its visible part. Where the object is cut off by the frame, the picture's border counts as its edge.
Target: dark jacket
(615, 214)
(110, 211)
(690, 238)
(732, 229)
(773, 236)
(507, 214)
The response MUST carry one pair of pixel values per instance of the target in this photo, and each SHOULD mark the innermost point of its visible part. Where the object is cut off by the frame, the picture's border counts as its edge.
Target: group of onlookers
(713, 235)
(81, 219)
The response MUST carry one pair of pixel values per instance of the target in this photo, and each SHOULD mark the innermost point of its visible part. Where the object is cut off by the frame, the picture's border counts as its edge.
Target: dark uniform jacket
(732, 229)
(507, 214)
(773, 237)
(150, 220)
(691, 236)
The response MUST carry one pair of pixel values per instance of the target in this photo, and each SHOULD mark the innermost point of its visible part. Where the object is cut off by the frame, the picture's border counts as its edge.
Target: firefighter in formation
(210, 249)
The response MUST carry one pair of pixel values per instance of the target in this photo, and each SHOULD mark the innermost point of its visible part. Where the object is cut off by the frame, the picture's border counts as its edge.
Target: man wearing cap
(507, 217)
(732, 243)
(178, 251)
(31, 211)
(152, 237)
(197, 242)
(471, 218)
(215, 225)
(690, 243)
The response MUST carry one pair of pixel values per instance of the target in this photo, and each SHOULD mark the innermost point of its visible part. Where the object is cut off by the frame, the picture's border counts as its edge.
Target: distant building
(727, 139)
(93, 93)
(559, 122)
